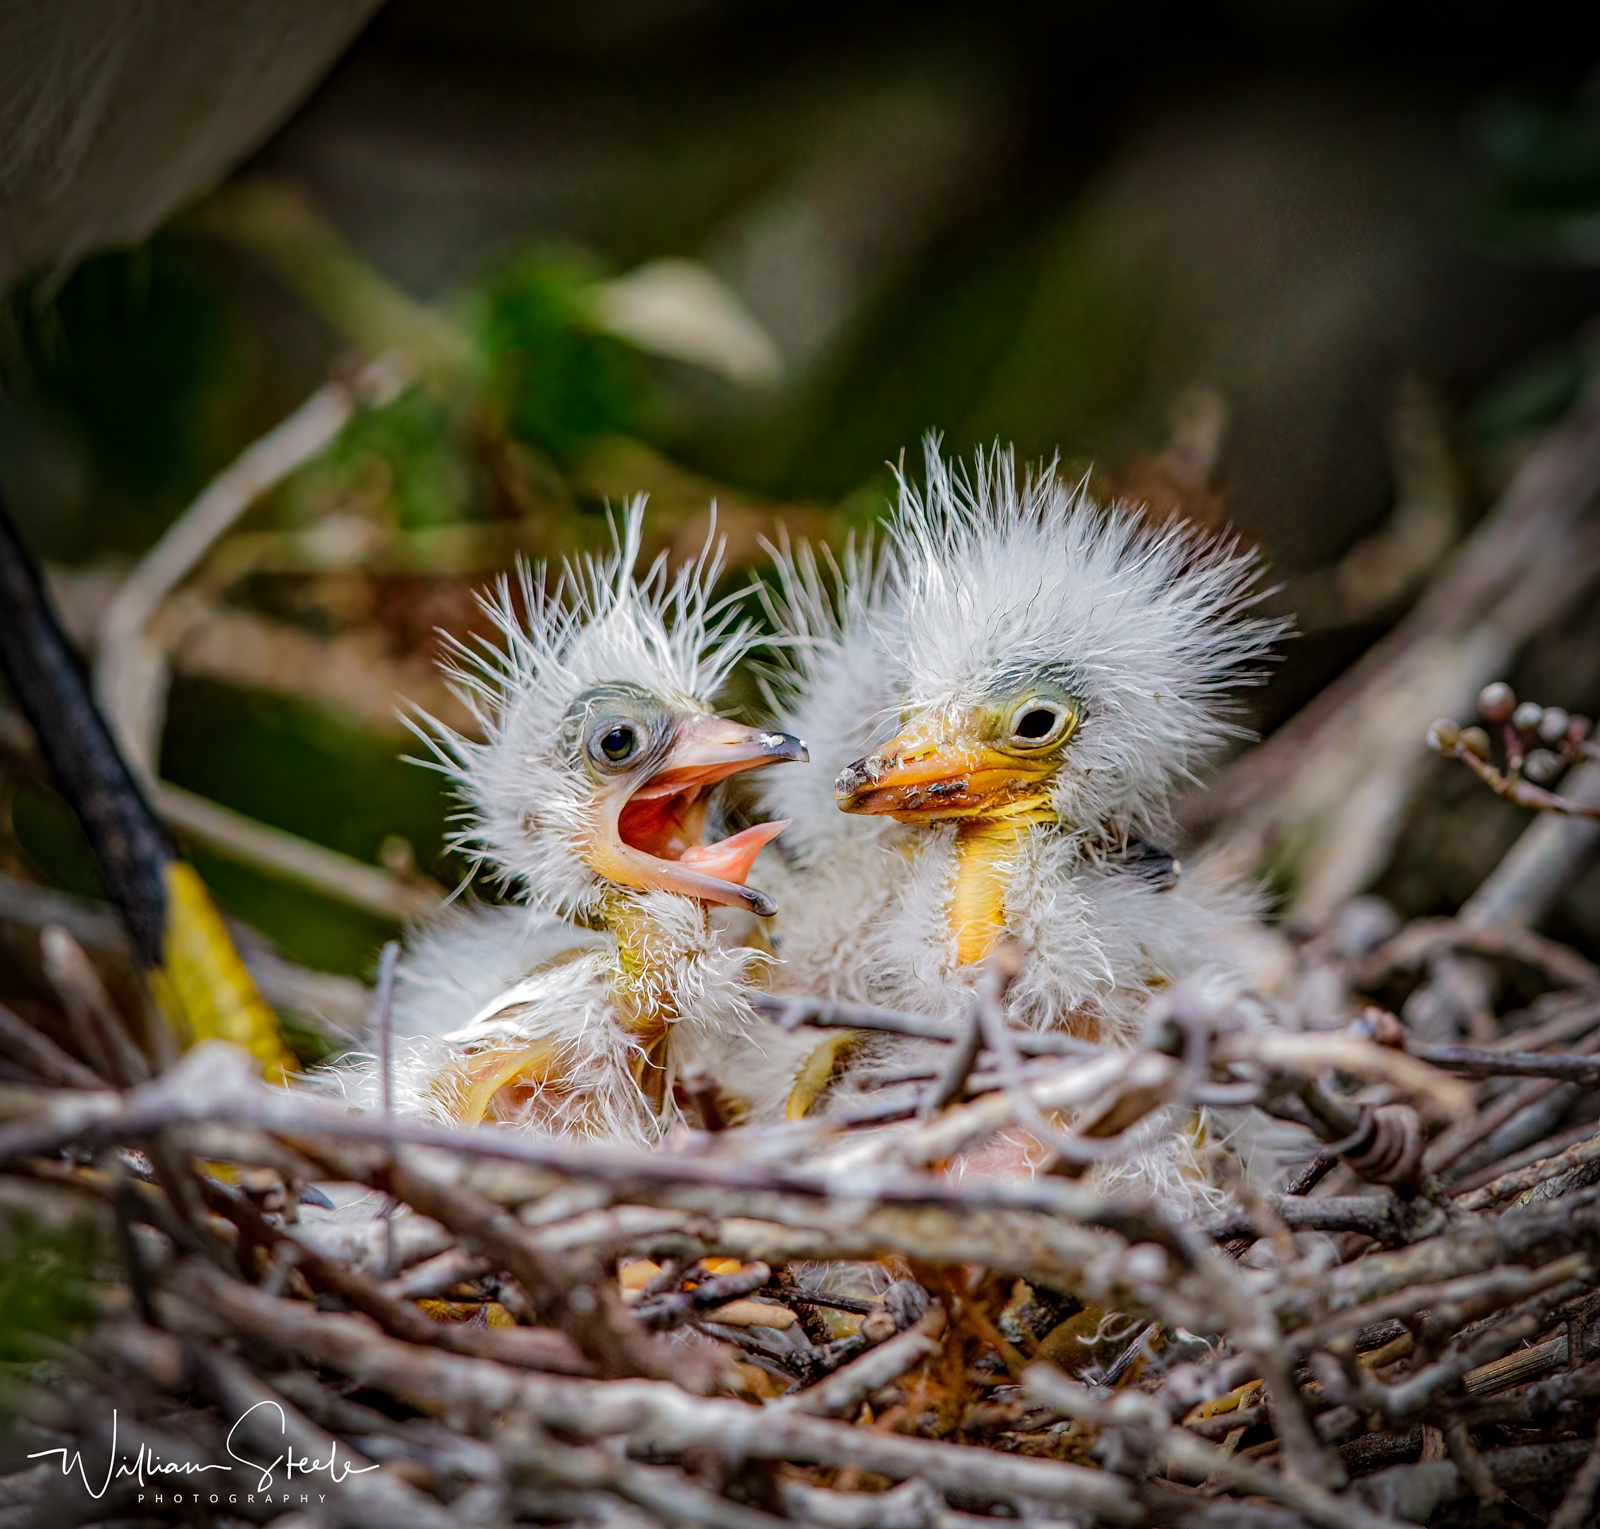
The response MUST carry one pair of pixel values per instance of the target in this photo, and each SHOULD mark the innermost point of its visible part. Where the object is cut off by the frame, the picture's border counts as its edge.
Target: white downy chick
(574, 1011)
(1001, 705)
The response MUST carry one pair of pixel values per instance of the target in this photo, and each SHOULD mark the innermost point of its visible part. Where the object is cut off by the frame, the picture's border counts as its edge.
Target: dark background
(1366, 237)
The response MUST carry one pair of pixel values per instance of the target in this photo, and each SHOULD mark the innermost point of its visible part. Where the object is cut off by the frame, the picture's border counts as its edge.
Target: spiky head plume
(1002, 581)
(986, 584)
(830, 682)
(601, 625)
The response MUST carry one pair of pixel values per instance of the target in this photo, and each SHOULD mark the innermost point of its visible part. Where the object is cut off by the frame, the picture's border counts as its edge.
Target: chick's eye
(1036, 724)
(1039, 722)
(617, 743)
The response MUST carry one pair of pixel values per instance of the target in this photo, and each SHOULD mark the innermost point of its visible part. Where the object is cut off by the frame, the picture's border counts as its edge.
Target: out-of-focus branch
(342, 878)
(1323, 798)
(130, 669)
(314, 866)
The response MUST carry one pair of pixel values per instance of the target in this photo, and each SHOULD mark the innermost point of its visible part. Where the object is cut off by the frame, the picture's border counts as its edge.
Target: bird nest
(768, 1324)
(820, 1322)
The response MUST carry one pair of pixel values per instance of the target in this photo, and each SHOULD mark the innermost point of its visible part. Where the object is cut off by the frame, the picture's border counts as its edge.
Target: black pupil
(1037, 723)
(618, 743)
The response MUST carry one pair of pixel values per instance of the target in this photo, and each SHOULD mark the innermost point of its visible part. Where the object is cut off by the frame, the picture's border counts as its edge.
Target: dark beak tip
(851, 781)
(759, 903)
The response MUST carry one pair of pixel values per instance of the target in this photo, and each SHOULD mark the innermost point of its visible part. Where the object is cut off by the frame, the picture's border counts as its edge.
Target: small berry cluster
(1539, 744)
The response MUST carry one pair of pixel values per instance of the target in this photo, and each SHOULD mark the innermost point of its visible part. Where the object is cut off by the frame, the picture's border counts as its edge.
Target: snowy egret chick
(1006, 703)
(576, 1011)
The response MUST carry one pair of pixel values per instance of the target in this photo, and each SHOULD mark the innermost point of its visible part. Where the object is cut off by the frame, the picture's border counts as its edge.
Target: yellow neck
(646, 994)
(985, 854)
(500, 1081)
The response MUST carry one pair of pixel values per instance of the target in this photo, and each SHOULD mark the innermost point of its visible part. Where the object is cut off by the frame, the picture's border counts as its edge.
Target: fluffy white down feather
(999, 577)
(524, 808)
(981, 582)
(544, 974)
(988, 577)
(535, 988)
(471, 954)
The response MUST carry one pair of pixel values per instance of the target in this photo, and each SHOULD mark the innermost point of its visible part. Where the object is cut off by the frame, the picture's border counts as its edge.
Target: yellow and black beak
(932, 773)
(651, 832)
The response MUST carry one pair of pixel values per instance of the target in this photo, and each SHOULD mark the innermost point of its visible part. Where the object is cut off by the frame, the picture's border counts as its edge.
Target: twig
(593, 1314)
(1528, 1235)
(1450, 1146)
(1577, 1503)
(1484, 1292)
(542, 1349)
(1138, 1416)
(268, 1423)
(792, 1012)
(388, 960)
(1141, 1080)
(1555, 1019)
(672, 1308)
(1565, 1392)
(130, 670)
(454, 1266)
(42, 1056)
(1523, 792)
(325, 871)
(842, 1393)
(1310, 1054)
(1550, 1146)
(1521, 1181)
(100, 1027)
(985, 1025)
(959, 1061)
(648, 1414)
(1425, 940)
(1406, 1398)
(1373, 1215)
(1541, 864)
(798, 1297)
(1477, 1062)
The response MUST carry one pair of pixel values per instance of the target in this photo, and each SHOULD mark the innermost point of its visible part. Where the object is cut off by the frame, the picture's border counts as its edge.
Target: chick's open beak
(653, 832)
(929, 774)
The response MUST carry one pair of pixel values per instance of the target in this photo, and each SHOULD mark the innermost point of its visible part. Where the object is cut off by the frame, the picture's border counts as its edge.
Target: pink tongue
(731, 859)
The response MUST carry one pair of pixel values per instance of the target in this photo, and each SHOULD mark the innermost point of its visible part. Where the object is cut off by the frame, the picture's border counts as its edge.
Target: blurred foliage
(403, 459)
(1544, 157)
(49, 837)
(300, 769)
(555, 382)
(1532, 395)
(45, 1289)
(540, 385)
